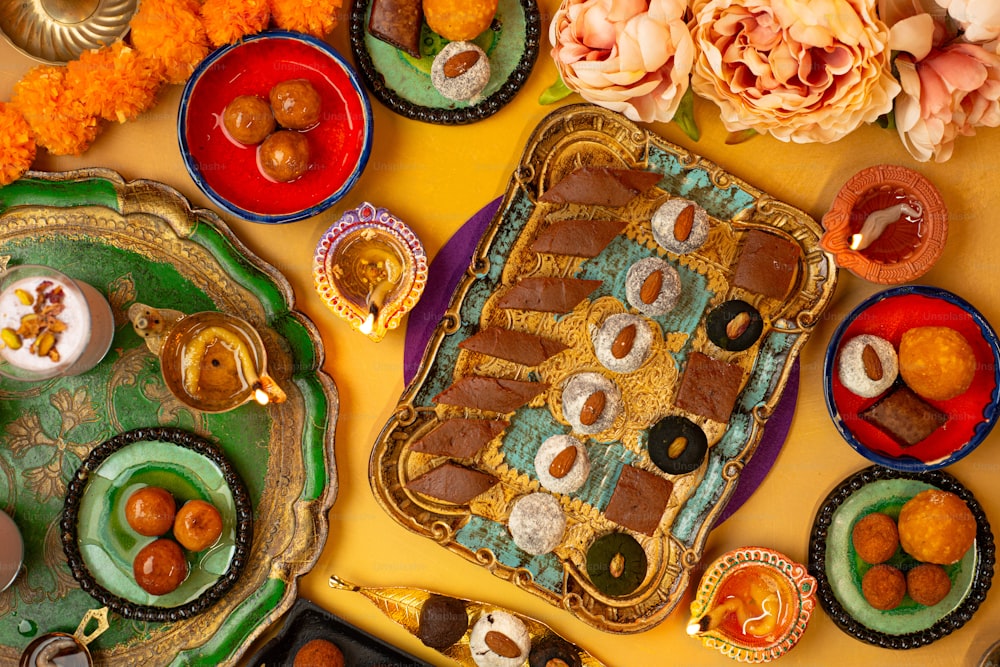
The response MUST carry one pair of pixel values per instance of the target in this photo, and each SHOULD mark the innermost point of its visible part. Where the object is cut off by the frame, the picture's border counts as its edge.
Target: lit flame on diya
(878, 221)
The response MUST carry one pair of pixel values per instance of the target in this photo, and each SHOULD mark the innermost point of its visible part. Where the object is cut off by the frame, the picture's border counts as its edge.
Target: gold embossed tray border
(574, 136)
(142, 241)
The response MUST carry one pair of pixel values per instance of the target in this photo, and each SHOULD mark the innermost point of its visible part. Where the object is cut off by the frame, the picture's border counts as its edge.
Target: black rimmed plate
(307, 621)
(838, 570)
(403, 83)
(100, 546)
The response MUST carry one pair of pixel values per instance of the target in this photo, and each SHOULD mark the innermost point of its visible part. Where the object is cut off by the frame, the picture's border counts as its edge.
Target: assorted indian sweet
(161, 565)
(579, 411)
(278, 127)
(318, 652)
(460, 71)
(932, 365)
(908, 555)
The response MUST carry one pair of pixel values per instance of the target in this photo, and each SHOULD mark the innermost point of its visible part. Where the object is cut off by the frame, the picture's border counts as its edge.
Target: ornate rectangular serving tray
(618, 547)
(142, 241)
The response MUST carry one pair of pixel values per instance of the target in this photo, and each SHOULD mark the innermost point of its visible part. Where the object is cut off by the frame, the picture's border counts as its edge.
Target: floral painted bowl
(753, 604)
(970, 416)
(227, 171)
(370, 269)
(888, 225)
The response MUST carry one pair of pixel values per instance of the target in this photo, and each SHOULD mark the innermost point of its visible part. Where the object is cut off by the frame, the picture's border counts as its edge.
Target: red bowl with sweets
(920, 427)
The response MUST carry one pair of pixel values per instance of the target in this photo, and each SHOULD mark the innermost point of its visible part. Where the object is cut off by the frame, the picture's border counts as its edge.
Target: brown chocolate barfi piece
(579, 238)
(600, 186)
(490, 393)
(517, 346)
(398, 22)
(709, 387)
(460, 438)
(548, 295)
(452, 483)
(905, 416)
(768, 264)
(639, 500)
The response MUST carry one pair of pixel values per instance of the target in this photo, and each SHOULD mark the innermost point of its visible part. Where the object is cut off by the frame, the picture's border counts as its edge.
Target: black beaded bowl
(403, 83)
(838, 569)
(100, 545)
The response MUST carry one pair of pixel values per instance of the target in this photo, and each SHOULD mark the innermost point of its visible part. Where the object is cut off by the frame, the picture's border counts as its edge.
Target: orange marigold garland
(228, 21)
(17, 144)
(313, 17)
(115, 82)
(171, 31)
(60, 123)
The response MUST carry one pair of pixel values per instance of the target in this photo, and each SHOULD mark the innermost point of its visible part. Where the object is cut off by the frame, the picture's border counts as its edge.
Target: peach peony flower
(980, 19)
(630, 56)
(801, 72)
(948, 94)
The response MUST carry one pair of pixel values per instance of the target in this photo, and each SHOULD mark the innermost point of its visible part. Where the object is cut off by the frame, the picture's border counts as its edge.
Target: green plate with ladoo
(140, 241)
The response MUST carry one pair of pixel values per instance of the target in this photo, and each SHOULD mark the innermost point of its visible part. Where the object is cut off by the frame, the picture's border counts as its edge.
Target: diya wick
(877, 222)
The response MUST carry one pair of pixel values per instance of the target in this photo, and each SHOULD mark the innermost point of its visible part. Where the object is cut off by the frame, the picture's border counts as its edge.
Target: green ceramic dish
(140, 241)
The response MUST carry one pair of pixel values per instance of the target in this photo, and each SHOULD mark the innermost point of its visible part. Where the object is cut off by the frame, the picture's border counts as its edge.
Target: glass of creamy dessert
(50, 325)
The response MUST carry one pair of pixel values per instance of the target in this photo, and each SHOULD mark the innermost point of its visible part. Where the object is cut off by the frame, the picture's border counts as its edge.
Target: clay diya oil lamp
(211, 361)
(752, 604)
(888, 225)
(370, 269)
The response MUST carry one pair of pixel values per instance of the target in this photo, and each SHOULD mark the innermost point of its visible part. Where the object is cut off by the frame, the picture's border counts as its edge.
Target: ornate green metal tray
(141, 241)
(629, 516)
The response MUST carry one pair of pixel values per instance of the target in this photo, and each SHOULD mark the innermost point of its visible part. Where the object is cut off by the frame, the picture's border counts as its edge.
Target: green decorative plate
(140, 241)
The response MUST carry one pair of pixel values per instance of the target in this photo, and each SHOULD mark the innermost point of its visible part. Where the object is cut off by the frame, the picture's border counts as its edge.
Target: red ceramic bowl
(971, 415)
(227, 171)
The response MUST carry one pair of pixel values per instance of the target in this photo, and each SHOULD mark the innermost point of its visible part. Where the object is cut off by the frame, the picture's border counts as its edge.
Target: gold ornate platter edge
(142, 239)
(571, 136)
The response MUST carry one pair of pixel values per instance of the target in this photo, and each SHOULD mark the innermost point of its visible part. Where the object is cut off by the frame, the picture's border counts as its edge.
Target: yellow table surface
(435, 178)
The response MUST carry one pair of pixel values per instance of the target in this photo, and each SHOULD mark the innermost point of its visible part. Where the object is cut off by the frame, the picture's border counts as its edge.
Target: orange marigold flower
(228, 21)
(171, 31)
(313, 17)
(115, 82)
(60, 123)
(17, 144)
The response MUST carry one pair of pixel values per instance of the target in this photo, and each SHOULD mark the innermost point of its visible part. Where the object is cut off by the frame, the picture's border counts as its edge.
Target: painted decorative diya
(888, 225)
(753, 604)
(370, 269)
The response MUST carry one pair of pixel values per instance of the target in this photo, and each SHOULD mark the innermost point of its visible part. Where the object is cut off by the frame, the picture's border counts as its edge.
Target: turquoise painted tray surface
(141, 241)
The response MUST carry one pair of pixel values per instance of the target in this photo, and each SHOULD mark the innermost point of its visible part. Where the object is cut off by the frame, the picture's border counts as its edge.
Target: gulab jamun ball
(284, 156)
(884, 587)
(160, 567)
(936, 362)
(936, 526)
(248, 119)
(150, 511)
(875, 537)
(198, 525)
(296, 104)
(318, 652)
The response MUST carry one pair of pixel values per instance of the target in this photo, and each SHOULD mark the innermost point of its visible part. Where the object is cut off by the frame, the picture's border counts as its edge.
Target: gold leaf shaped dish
(370, 269)
(404, 605)
(57, 31)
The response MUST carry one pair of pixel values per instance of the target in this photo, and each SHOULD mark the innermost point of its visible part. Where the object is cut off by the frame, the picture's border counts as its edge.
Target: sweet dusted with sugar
(600, 186)
(461, 71)
(499, 639)
(768, 264)
(905, 416)
(537, 523)
(867, 365)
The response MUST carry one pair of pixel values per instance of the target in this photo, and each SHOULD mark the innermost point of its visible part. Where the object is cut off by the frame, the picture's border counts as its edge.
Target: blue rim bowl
(905, 463)
(203, 177)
